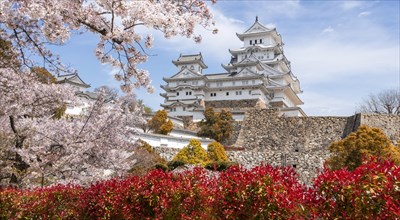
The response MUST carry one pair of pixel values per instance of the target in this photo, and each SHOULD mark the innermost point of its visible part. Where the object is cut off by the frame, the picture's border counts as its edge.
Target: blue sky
(341, 51)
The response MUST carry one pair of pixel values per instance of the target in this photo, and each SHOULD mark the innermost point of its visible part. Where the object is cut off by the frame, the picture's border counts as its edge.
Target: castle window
(294, 165)
(260, 41)
(251, 42)
(255, 42)
(227, 93)
(245, 82)
(192, 67)
(213, 94)
(233, 83)
(188, 93)
(249, 92)
(219, 83)
(177, 94)
(238, 92)
(184, 108)
(296, 150)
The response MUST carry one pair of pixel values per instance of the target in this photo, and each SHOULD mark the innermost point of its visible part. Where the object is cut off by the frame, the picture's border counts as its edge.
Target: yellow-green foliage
(166, 127)
(146, 146)
(366, 142)
(43, 75)
(216, 152)
(192, 154)
(160, 123)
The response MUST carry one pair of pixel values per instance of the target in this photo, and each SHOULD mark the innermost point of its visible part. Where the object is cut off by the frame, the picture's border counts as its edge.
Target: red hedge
(370, 192)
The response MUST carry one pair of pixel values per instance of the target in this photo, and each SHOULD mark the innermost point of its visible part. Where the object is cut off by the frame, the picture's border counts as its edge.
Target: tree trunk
(19, 164)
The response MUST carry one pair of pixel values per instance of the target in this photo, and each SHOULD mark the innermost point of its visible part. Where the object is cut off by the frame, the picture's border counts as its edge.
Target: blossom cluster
(372, 191)
(31, 25)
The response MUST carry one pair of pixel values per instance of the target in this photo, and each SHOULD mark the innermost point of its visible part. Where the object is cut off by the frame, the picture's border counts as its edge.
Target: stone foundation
(167, 153)
(232, 104)
(301, 142)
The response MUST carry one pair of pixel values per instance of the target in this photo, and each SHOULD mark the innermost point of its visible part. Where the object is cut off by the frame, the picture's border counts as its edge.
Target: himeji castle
(258, 75)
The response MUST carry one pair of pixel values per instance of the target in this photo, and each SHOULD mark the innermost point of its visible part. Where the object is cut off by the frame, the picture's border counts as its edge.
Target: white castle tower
(258, 75)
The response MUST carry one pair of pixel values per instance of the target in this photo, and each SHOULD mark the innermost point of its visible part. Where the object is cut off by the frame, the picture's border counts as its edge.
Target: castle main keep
(258, 74)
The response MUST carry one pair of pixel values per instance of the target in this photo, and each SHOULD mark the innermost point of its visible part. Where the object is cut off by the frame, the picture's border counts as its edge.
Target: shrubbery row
(371, 191)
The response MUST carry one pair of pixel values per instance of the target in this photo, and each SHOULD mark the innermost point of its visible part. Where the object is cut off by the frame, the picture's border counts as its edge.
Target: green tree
(160, 123)
(218, 126)
(193, 153)
(366, 142)
(216, 152)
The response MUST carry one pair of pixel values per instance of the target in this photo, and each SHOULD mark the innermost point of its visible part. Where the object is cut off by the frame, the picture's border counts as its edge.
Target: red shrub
(372, 191)
(57, 202)
(264, 192)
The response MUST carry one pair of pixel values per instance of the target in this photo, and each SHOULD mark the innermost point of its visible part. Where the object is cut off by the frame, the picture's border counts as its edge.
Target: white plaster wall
(266, 40)
(157, 140)
(290, 113)
(172, 84)
(176, 121)
(182, 134)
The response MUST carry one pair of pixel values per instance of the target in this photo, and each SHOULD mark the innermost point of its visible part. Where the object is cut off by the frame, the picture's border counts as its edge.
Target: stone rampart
(390, 124)
(300, 142)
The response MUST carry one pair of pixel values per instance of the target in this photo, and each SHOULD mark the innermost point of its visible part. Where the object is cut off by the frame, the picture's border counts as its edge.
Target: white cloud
(325, 60)
(328, 30)
(213, 46)
(364, 14)
(317, 104)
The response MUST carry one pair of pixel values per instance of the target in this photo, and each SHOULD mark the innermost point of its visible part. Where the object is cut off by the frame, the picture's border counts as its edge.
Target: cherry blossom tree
(88, 147)
(31, 25)
(49, 150)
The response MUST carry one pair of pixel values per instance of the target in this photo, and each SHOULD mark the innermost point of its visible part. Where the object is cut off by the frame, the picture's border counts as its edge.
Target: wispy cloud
(328, 30)
(364, 14)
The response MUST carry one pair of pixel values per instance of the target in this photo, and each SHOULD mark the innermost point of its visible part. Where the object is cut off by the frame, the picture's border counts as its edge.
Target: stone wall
(301, 142)
(390, 124)
(232, 104)
(235, 134)
(166, 153)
